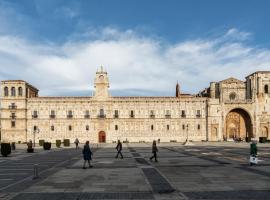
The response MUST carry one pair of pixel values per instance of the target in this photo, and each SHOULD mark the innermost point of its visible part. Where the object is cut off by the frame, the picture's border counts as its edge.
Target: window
(70, 115)
(183, 113)
(52, 128)
(168, 127)
(6, 91)
(116, 114)
(13, 124)
(168, 114)
(20, 92)
(13, 92)
(199, 127)
(198, 113)
(152, 127)
(101, 113)
(87, 127)
(183, 126)
(87, 114)
(132, 113)
(70, 128)
(35, 114)
(232, 96)
(116, 127)
(52, 116)
(266, 89)
(35, 128)
(152, 114)
(13, 116)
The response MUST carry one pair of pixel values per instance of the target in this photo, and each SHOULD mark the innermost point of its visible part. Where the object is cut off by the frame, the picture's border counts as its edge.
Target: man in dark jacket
(119, 149)
(87, 155)
(253, 151)
(154, 151)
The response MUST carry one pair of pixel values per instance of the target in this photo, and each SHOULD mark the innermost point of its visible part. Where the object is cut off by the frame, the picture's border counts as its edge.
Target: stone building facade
(227, 109)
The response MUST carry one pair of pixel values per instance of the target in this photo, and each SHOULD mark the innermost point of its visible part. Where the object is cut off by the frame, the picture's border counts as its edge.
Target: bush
(66, 142)
(262, 139)
(47, 145)
(5, 149)
(30, 150)
(13, 147)
(41, 142)
(58, 143)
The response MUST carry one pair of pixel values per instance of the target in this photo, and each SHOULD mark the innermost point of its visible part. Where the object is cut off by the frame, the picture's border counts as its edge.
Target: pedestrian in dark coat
(119, 149)
(76, 142)
(154, 151)
(253, 152)
(87, 155)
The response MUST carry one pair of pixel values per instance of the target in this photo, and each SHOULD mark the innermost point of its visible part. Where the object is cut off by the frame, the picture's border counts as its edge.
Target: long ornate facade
(227, 109)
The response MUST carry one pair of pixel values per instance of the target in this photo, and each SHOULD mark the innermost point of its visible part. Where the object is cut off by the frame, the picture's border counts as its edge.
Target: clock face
(101, 77)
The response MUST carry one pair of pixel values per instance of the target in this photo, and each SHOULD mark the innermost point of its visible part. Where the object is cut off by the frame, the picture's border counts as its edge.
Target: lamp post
(36, 130)
(187, 133)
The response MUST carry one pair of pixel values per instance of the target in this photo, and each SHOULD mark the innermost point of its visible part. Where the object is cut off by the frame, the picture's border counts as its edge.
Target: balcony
(152, 116)
(86, 116)
(198, 115)
(102, 116)
(238, 101)
(34, 116)
(167, 116)
(13, 117)
(116, 116)
(132, 116)
(69, 116)
(12, 107)
(183, 116)
(52, 116)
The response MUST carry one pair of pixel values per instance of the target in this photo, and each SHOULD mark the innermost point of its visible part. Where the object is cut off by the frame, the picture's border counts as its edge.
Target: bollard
(35, 171)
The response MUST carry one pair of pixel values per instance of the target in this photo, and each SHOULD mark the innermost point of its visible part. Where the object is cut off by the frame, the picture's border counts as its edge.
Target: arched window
(87, 127)
(152, 127)
(6, 91)
(20, 92)
(13, 92)
(266, 89)
(116, 127)
(232, 96)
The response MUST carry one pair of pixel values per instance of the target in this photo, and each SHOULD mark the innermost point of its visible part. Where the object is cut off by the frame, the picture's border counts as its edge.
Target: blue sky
(146, 46)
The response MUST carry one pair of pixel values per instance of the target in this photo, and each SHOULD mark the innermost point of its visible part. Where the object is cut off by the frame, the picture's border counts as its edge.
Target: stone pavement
(199, 171)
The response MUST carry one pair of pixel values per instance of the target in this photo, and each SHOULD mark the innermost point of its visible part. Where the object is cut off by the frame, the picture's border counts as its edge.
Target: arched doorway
(238, 125)
(264, 132)
(101, 137)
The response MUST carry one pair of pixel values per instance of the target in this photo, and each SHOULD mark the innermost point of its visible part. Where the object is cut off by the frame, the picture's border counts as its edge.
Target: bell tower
(101, 84)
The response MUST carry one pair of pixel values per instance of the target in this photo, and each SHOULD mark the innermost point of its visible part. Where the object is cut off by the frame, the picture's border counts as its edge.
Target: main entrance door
(101, 137)
(238, 125)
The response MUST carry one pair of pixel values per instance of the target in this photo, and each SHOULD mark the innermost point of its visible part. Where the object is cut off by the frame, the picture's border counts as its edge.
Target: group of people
(87, 153)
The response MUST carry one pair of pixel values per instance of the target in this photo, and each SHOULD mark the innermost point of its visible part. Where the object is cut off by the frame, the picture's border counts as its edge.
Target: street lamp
(36, 130)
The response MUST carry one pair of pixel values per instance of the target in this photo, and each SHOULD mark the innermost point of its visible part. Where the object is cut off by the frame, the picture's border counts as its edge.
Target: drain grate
(141, 161)
(84, 196)
(136, 155)
(158, 183)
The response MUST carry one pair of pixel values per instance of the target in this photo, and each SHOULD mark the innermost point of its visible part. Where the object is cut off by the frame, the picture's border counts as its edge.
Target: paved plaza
(199, 171)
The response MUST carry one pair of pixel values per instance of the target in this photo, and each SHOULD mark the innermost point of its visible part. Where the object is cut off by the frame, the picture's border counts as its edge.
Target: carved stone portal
(238, 125)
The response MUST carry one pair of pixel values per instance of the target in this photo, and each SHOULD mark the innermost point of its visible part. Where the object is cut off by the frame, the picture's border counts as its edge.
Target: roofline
(258, 72)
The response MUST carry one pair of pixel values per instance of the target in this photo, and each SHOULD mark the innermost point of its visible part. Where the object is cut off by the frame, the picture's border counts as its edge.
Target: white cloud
(133, 62)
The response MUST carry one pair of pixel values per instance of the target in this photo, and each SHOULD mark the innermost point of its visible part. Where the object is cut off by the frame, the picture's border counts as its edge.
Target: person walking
(87, 154)
(253, 153)
(76, 142)
(154, 151)
(119, 149)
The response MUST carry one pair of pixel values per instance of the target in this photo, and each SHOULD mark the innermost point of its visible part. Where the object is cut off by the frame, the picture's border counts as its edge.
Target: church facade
(226, 110)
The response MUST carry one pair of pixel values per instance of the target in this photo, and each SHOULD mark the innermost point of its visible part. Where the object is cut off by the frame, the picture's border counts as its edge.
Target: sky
(145, 46)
